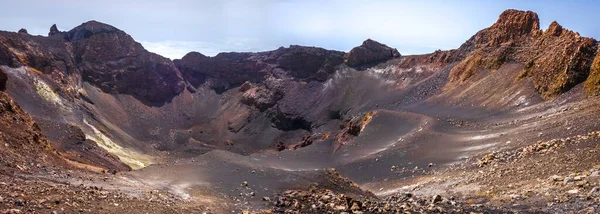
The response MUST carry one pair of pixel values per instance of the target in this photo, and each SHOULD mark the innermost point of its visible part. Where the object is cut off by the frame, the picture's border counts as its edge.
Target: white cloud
(177, 49)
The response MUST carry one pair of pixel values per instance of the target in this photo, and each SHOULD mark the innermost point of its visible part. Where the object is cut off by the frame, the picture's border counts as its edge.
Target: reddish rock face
(22, 137)
(514, 23)
(556, 60)
(96, 53)
(370, 52)
(112, 60)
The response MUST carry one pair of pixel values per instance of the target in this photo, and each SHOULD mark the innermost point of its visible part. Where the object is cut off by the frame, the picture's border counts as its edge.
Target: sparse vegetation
(472, 64)
(592, 84)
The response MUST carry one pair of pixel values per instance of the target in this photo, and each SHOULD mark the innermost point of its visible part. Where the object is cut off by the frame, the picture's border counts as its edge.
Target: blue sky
(173, 28)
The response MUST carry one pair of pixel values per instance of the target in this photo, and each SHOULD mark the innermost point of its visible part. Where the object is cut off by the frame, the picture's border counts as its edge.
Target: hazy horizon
(175, 28)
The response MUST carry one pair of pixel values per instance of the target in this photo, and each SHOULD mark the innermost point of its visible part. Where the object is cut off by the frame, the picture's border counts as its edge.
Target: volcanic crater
(93, 122)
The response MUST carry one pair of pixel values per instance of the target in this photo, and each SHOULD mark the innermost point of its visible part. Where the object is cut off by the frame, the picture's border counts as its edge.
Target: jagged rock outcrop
(23, 31)
(592, 84)
(556, 60)
(53, 30)
(512, 25)
(370, 52)
(554, 29)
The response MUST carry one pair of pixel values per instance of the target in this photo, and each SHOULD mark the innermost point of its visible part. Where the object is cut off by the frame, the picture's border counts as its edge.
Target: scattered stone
(436, 198)
(430, 165)
(594, 191)
(14, 211)
(515, 196)
(244, 184)
(266, 198)
(568, 180)
(339, 207)
(355, 206)
(556, 178)
(573, 191)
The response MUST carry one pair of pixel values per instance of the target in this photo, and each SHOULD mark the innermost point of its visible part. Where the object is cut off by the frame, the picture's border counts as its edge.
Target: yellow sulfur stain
(35, 70)
(366, 119)
(133, 159)
(46, 92)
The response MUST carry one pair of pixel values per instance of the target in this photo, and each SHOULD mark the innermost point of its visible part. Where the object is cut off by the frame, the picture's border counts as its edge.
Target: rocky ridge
(556, 59)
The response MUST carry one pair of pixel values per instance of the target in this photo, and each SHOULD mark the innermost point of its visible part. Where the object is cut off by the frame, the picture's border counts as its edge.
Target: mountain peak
(87, 29)
(53, 30)
(518, 22)
(554, 29)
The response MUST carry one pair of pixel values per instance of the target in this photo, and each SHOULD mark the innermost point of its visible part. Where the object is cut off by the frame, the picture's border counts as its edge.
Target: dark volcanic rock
(44, 55)
(288, 121)
(7, 57)
(110, 59)
(305, 62)
(53, 30)
(370, 52)
(3, 79)
(227, 70)
(23, 30)
(97, 53)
